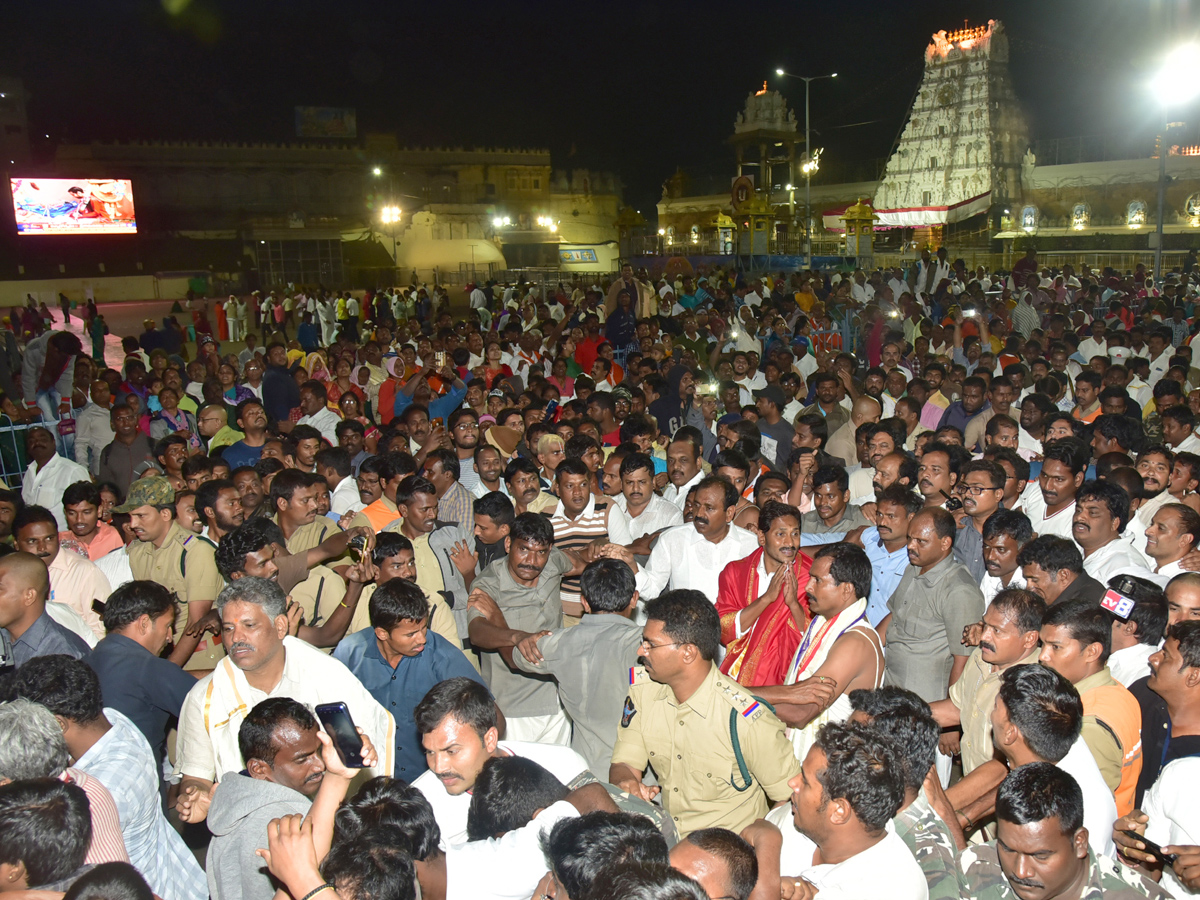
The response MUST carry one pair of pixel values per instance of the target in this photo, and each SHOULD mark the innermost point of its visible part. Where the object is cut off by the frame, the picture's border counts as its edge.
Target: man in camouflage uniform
(680, 716)
(185, 562)
(925, 816)
(1039, 822)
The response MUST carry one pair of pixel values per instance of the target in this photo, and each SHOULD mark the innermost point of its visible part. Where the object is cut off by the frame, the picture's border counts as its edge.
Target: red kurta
(761, 655)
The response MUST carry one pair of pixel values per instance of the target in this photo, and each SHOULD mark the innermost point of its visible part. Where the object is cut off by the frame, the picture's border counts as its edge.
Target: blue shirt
(439, 408)
(399, 690)
(45, 637)
(238, 454)
(886, 568)
(149, 690)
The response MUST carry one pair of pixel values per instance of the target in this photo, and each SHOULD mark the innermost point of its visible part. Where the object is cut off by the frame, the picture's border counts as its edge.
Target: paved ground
(126, 319)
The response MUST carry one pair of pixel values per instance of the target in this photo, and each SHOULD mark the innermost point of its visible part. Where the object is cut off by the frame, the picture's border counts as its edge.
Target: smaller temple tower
(765, 137)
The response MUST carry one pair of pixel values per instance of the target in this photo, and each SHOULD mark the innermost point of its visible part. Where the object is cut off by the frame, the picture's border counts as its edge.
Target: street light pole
(808, 225)
(1162, 190)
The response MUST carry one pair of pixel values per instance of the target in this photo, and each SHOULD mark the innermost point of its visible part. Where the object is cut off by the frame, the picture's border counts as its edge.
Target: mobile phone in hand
(1168, 859)
(340, 728)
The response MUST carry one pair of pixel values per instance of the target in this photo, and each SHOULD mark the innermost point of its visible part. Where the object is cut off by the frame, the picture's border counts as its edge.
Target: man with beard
(263, 661)
(463, 426)
(684, 470)
(938, 401)
(1053, 569)
(1000, 399)
(1036, 410)
(883, 438)
(250, 491)
(761, 601)
(831, 499)
(1051, 505)
(493, 521)
(219, 506)
(397, 658)
(1016, 474)
(983, 490)
(514, 597)
(291, 764)
(378, 478)
(959, 413)
(525, 487)
(839, 653)
(835, 834)
(489, 466)
(827, 404)
(677, 715)
(1005, 533)
(131, 452)
(442, 552)
(1101, 513)
(938, 470)
(1154, 464)
(1009, 638)
(777, 434)
(1041, 849)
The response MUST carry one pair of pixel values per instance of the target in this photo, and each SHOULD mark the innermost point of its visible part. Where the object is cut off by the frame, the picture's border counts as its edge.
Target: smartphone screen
(551, 409)
(340, 727)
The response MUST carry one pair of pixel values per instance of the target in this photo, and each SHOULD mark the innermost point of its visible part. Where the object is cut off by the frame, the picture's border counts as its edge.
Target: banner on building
(326, 122)
(577, 256)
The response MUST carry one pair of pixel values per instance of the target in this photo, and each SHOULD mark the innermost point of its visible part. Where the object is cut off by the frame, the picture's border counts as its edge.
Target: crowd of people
(717, 585)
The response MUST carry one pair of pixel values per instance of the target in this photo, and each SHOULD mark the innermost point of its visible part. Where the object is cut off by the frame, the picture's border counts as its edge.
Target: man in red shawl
(762, 601)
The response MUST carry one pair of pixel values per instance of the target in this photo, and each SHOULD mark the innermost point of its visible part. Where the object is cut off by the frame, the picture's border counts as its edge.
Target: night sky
(635, 88)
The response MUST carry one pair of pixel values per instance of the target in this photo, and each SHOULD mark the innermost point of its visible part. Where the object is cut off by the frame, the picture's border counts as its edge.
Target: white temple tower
(960, 153)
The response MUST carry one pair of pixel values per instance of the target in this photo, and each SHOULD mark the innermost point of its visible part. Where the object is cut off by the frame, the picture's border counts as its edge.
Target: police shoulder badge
(628, 712)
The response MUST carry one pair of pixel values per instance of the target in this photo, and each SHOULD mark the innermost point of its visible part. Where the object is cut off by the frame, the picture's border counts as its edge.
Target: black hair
(236, 545)
(385, 801)
(256, 734)
(848, 563)
(336, 458)
(373, 867)
(463, 699)
(66, 686)
(731, 459)
(728, 491)
(735, 852)
(635, 462)
(766, 477)
(1008, 455)
(1026, 607)
(305, 433)
(944, 525)
(1112, 495)
(570, 466)
(30, 515)
(389, 465)
(1084, 621)
(1127, 432)
(816, 425)
(901, 496)
(1149, 612)
(196, 465)
(349, 425)
(207, 493)
(135, 599)
(397, 601)
(992, 470)
(1051, 554)
(640, 881)
(863, 768)
(519, 464)
(533, 529)
(507, 794)
(285, 485)
(1071, 452)
(389, 544)
(773, 510)
(413, 485)
(1015, 525)
(607, 585)
(1038, 791)
(907, 720)
(110, 881)
(46, 825)
(578, 849)
(81, 492)
(496, 506)
(688, 617)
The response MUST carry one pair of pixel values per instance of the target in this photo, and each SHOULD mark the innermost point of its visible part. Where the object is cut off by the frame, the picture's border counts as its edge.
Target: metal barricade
(13, 458)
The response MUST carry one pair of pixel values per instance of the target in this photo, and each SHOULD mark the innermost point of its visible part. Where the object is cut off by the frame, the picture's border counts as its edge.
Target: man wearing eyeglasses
(680, 717)
(982, 492)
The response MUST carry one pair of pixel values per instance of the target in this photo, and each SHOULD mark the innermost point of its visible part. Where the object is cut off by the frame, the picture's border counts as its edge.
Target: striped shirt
(575, 534)
(107, 843)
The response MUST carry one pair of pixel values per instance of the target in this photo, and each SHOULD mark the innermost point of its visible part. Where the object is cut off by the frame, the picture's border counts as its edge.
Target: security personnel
(720, 756)
(185, 562)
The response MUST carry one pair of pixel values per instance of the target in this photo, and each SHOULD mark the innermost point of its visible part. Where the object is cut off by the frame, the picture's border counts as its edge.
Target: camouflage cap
(152, 491)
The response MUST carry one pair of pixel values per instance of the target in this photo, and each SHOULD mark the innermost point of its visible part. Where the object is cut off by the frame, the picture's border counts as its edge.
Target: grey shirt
(591, 663)
(43, 638)
(929, 613)
(968, 550)
(537, 608)
(810, 522)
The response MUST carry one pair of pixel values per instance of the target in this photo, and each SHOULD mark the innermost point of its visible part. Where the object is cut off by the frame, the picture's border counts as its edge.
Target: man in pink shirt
(86, 535)
(74, 581)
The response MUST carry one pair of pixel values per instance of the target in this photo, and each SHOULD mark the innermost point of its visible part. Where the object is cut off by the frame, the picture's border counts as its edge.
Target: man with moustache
(1053, 569)
(1004, 534)
(831, 499)
(1010, 638)
(638, 513)
(761, 602)
(938, 472)
(1101, 514)
(1051, 504)
(493, 521)
(1173, 534)
(983, 489)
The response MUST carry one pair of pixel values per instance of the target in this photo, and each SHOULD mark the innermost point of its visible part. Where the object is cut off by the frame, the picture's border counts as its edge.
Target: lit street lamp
(810, 164)
(1173, 86)
(390, 216)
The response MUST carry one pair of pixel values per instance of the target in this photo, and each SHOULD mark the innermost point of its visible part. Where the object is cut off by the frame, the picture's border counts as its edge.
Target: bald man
(26, 630)
(212, 421)
(841, 443)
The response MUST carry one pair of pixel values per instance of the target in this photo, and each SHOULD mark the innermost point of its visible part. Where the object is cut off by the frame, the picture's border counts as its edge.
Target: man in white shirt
(837, 831)
(637, 511)
(747, 381)
(49, 474)
(1178, 426)
(459, 726)
(314, 403)
(1171, 535)
(333, 464)
(692, 555)
(684, 470)
(1050, 501)
(1136, 638)
(1101, 514)
(1096, 345)
(93, 427)
(263, 661)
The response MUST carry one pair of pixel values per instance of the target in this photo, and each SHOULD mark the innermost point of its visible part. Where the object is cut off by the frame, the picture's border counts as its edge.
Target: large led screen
(73, 205)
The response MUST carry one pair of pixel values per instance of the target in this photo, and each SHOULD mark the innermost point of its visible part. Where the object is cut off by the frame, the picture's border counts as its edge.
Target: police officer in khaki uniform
(721, 757)
(185, 562)
(293, 501)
